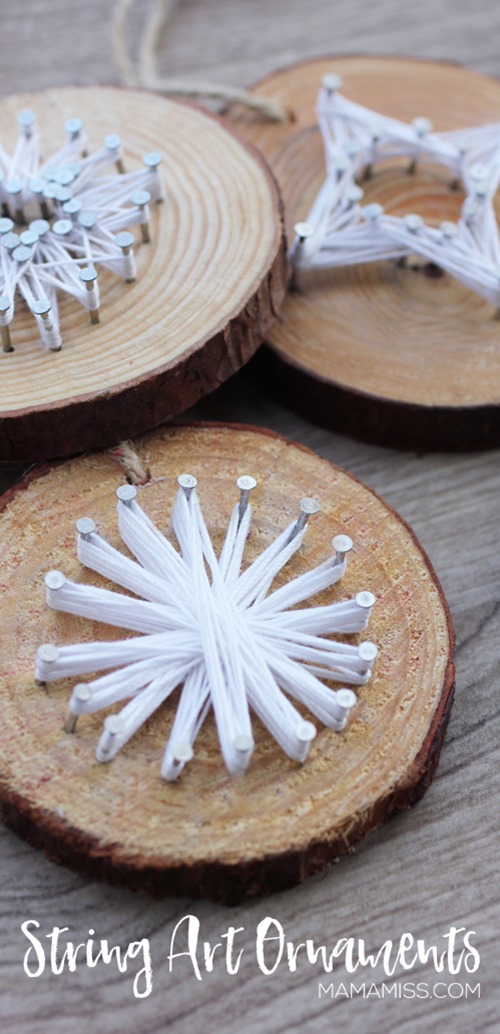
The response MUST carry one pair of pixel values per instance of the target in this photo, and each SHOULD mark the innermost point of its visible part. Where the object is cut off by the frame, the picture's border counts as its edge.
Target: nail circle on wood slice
(208, 284)
(382, 352)
(210, 834)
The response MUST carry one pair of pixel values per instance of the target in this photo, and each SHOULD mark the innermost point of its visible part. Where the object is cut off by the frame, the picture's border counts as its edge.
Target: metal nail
(246, 483)
(141, 198)
(342, 545)
(85, 526)
(126, 493)
(125, 241)
(88, 275)
(81, 695)
(187, 482)
(5, 305)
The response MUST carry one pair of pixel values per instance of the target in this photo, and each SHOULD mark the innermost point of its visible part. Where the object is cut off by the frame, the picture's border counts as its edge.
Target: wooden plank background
(425, 871)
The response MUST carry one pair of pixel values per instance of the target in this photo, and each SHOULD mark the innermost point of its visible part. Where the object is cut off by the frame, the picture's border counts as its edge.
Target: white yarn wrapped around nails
(62, 217)
(220, 633)
(340, 231)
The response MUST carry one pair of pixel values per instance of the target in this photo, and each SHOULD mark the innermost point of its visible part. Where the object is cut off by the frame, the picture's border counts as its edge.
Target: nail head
(87, 219)
(124, 239)
(373, 211)
(182, 752)
(88, 274)
(309, 506)
(73, 125)
(331, 82)
(62, 227)
(112, 142)
(152, 159)
(187, 481)
(243, 744)
(54, 579)
(368, 651)
(40, 227)
(140, 198)
(303, 230)
(306, 732)
(342, 544)
(246, 483)
(346, 698)
(41, 307)
(22, 253)
(114, 724)
(48, 653)
(82, 692)
(85, 525)
(413, 222)
(126, 493)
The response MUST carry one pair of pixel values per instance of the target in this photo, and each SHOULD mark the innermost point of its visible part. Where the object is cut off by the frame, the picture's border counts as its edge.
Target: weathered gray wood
(431, 868)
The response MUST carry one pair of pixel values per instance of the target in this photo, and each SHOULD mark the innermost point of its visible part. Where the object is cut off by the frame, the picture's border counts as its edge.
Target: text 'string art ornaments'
(340, 231)
(62, 217)
(212, 629)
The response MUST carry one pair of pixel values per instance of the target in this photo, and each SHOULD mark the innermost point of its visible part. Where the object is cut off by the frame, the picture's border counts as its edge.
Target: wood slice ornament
(208, 284)
(406, 357)
(211, 834)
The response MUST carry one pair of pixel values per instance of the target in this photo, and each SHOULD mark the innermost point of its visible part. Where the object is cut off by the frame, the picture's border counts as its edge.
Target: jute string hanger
(144, 71)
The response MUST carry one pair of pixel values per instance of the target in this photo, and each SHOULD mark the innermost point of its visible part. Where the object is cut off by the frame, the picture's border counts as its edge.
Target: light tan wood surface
(433, 867)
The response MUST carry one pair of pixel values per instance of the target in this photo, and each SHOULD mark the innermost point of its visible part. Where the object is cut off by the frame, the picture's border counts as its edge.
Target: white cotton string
(109, 607)
(255, 581)
(349, 616)
(65, 216)
(222, 635)
(302, 588)
(234, 544)
(284, 722)
(330, 656)
(62, 662)
(193, 708)
(195, 698)
(97, 554)
(137, 711)
(223, 662)
(117, 685)
(153, 551)
(306, 688)
(339, 231)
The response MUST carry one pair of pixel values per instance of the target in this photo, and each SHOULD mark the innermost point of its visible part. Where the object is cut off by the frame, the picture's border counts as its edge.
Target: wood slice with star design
(211, 834)
(208, 285)
(406, 357)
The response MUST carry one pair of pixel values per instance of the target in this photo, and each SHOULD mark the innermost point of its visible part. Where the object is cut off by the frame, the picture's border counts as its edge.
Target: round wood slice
(400, 357)
(210, 834)
(208, 285)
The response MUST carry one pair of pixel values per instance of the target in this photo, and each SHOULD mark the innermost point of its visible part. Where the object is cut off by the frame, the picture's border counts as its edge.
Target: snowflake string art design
(339, 231)
(211, 628)
(64, 216)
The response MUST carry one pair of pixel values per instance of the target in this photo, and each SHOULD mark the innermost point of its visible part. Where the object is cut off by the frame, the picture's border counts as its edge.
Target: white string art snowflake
(71, 213)
(339, 231)
(211, 628)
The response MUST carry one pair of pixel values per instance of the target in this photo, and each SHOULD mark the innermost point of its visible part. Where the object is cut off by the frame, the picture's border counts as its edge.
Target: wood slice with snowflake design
(405, 357)
(207, 287)
(211, 834)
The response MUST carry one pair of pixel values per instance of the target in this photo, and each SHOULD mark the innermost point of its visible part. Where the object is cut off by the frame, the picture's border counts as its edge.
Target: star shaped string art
(63, 216)
(339, 231)
(217, 631)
